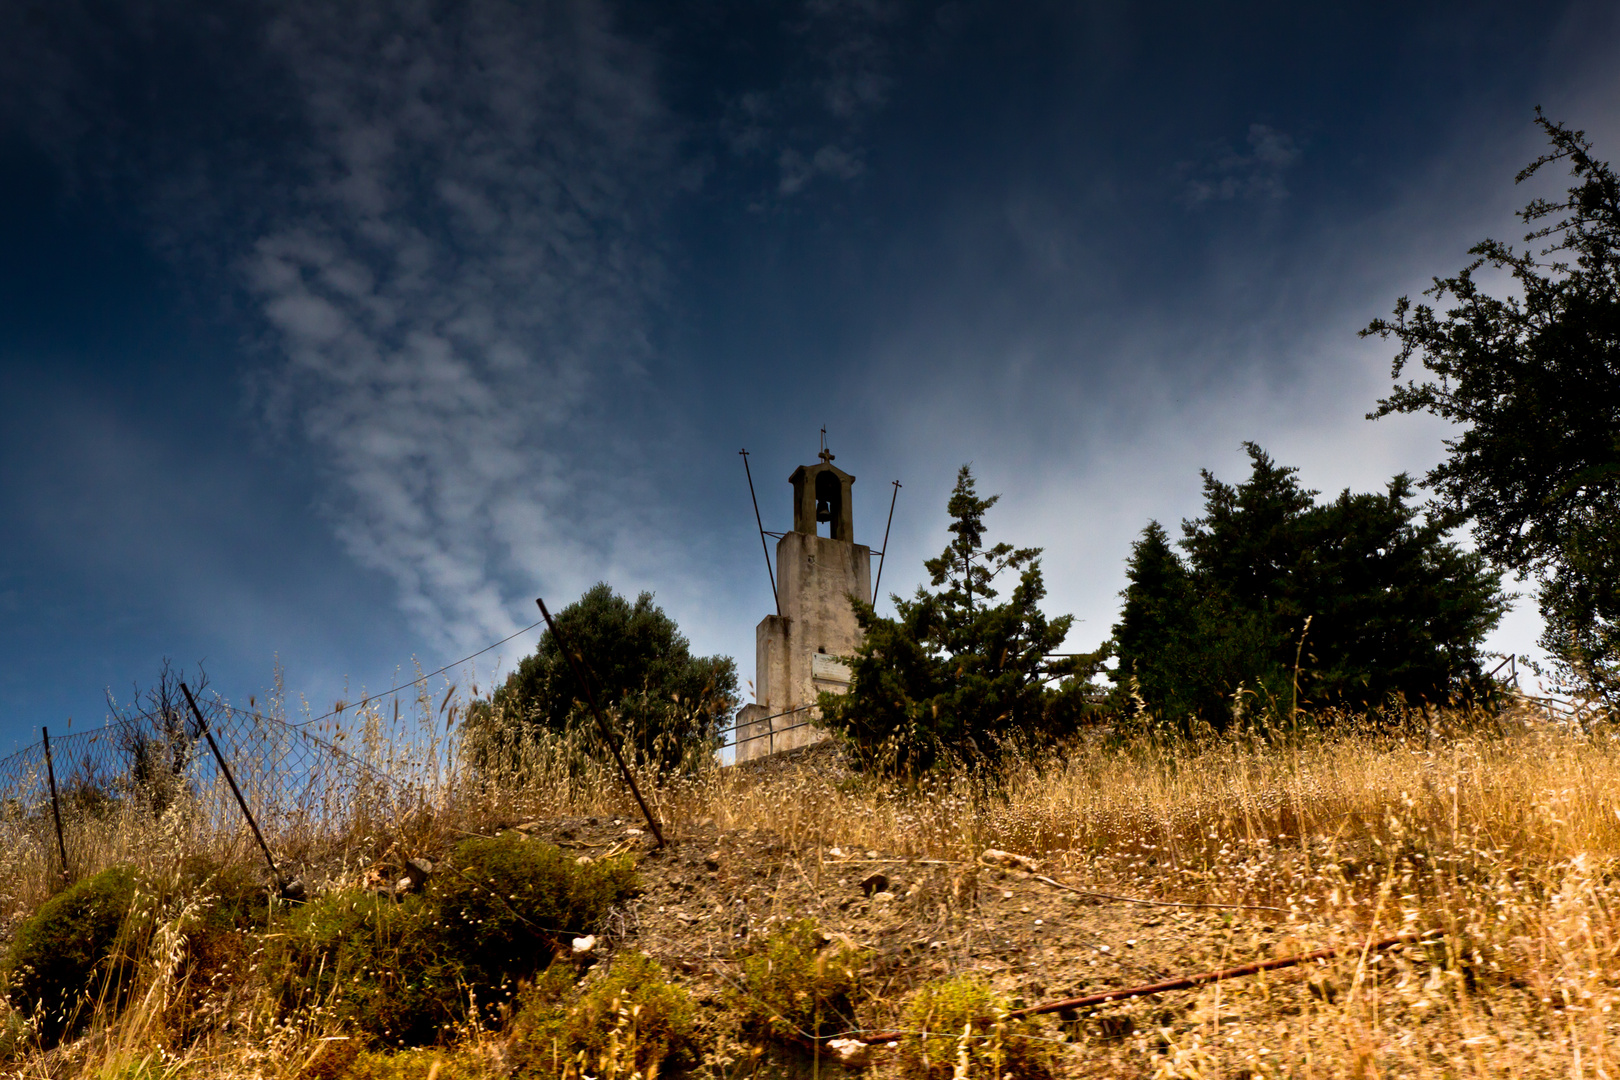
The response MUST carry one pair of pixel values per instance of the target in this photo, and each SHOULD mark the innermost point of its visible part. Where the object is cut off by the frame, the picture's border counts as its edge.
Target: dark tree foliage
(1179, 652)
(1535, 381)
(957, 676)
(1394, 610)
(641, 668)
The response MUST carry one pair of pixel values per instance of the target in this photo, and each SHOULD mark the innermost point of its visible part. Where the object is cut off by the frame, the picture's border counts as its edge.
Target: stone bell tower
(795, 652)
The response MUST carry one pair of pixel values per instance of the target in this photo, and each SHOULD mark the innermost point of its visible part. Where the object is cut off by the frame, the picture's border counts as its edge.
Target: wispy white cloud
(460, 289)
(1229, 174)
(833, 161)
(846, 77)
(855, 78)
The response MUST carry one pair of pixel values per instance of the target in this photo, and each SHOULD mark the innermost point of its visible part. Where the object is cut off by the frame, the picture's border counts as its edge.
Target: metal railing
(771, 732)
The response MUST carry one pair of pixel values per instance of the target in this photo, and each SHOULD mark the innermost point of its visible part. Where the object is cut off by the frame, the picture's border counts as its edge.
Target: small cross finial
(826, 457)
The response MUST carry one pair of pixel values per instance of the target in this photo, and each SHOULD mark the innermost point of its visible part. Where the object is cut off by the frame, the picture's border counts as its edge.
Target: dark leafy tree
(957, 676)
(1283, 601)
(670, 702)
(1534, 380)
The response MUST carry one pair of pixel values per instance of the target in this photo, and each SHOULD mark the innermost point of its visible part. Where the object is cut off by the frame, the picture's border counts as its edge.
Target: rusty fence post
(56, 804)
(282, 883)
(609, 736)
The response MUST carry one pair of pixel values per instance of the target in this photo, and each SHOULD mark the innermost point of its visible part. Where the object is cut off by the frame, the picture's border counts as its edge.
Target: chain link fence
(295, 783)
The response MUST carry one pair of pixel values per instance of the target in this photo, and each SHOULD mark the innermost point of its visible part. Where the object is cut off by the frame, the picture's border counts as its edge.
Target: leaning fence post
(281, 883)
(576, 662)
(56, 805)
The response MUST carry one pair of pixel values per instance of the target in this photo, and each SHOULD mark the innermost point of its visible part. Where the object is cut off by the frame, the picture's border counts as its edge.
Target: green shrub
(410, 973)
(73, 954)
(374, 965)
(799, 984)
(235, 904)
(962, 1021)
(408, 1065)
(631, 1021)
(238, 898)
(508, 903)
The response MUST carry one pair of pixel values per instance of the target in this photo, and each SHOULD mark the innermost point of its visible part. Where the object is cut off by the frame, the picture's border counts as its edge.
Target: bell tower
(796, 653)
(821, 496)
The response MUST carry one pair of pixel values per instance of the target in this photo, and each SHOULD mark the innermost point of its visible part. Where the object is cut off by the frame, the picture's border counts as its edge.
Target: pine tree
(957, 676)
(1283, 602)
(1157, 626)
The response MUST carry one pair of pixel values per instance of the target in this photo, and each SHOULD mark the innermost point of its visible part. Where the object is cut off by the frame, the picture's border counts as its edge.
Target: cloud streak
(459, 288)
(1229, 174)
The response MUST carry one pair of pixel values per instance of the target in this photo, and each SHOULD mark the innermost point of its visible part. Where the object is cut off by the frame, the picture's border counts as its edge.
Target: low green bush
(799, 985)
(508, 903)
(959, 1026)
(406, 1065)
(228, 908)
(631, 1021)
(412, 972)
(375, 966)
(73, 955)
(238, 898)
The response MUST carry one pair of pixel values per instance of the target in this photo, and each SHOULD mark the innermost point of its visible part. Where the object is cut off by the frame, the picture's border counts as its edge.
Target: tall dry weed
(1503, 833)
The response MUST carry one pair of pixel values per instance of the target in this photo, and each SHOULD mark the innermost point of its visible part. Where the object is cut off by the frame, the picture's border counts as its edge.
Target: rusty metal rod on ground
(1215, 976)
(1185, 983)
(577, 663)
(56, 808)
(281, 882)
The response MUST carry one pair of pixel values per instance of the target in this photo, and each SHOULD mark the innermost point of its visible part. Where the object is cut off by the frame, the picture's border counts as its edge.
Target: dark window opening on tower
(828, 494)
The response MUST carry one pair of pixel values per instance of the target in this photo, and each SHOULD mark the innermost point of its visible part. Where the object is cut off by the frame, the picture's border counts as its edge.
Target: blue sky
(330, 337)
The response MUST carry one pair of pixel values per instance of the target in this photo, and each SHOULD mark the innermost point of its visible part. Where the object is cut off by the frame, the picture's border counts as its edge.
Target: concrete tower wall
(816, 577)
(796, 653)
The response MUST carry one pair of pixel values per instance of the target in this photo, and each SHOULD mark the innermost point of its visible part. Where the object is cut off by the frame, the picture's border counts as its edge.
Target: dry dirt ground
(710, 893)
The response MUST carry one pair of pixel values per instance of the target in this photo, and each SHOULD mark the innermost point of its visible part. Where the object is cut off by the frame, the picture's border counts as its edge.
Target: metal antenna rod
(763, 546)
(884, 554)
(577, 662)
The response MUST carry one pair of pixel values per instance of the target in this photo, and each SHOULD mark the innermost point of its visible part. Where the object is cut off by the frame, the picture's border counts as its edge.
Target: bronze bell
(824, 510)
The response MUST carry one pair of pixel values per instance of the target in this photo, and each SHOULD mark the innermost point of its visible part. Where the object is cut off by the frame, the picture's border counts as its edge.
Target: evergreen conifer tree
(956, 675)
(1282, 601)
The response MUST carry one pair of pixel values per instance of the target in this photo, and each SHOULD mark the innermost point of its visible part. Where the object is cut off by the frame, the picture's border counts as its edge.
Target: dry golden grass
(1502, 836)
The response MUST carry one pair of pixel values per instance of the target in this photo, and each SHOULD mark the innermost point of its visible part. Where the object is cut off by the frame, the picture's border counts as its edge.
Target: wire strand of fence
(291, 775)
(294, 781)
(369, 698)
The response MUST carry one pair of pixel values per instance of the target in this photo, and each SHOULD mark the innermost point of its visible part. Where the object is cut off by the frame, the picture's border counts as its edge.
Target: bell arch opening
(829, 502)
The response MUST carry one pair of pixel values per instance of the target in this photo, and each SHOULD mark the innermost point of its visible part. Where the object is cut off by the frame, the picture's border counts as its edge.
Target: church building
(818, 567)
